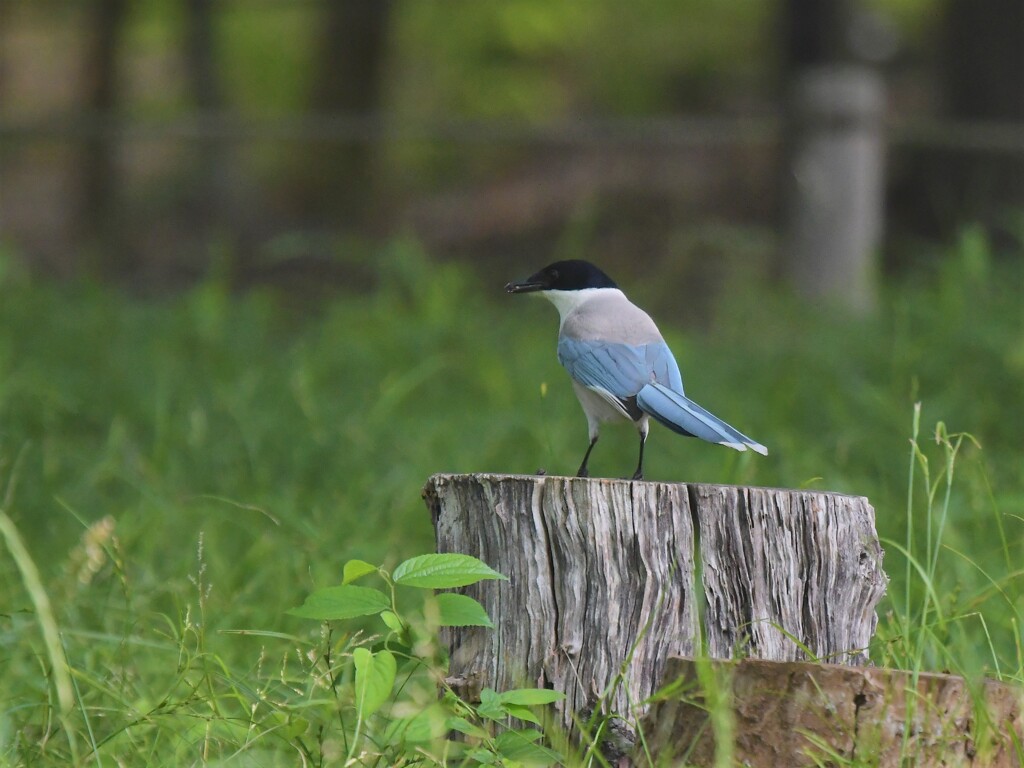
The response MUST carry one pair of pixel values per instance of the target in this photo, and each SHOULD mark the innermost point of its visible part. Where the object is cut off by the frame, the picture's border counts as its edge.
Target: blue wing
(621, 370)
(680, 414)
(646, 377)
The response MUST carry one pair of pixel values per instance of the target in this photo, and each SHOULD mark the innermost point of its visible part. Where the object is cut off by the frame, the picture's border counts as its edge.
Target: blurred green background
(251, 268)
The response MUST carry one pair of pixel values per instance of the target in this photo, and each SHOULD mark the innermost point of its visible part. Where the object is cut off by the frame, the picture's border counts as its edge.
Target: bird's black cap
(571, 275)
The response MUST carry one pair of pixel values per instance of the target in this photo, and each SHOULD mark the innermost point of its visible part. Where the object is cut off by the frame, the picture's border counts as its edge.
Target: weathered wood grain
(781, 565)
(595, 567)
(796, 714)
(605, 577)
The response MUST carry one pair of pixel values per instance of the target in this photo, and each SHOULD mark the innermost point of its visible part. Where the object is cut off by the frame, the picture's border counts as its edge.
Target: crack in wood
(699, 591)
(552, 592)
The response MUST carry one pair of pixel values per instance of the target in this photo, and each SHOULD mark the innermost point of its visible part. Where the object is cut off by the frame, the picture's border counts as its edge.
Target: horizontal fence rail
(968, 136)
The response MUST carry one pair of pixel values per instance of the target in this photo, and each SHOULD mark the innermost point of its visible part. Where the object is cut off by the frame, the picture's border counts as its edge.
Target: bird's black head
(572, 275)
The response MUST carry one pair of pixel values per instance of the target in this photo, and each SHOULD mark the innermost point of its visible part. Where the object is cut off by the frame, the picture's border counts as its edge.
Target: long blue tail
(682, 415)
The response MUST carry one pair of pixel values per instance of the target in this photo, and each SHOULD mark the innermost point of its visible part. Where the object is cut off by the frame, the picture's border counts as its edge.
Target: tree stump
(797, 714)
(608, 578)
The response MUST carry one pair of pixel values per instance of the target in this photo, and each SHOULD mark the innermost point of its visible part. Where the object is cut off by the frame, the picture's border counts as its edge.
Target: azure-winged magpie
(618, 360)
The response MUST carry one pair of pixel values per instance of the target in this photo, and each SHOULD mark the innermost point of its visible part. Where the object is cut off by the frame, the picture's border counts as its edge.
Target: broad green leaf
(394, 732)
(375, 676)
(424, 726)
(522, 712)
(462, 725)
(344, 602)
(356, 569)
(521, 747)
(443, 571)
(482, 756)
(525, 734)
(490, 705)
(392, 621)
(461, 611)
(531, 697)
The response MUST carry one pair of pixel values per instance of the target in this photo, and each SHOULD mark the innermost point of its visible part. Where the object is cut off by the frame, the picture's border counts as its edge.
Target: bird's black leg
(639, 474)
(586, 457)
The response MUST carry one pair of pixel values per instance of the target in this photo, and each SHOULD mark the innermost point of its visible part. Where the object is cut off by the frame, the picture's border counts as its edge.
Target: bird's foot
(638, 475)
(584, 472)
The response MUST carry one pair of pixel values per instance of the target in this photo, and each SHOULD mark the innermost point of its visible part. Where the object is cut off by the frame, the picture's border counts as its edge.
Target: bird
(620, 365)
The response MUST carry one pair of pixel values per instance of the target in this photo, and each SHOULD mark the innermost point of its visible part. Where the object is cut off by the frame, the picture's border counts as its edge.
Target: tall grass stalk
(59, 667)
(924, 628)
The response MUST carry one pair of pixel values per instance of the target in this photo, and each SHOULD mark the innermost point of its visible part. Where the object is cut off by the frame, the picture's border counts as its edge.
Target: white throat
(566, 302)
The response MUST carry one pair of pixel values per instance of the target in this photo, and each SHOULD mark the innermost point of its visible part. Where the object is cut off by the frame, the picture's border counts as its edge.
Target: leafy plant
(391, 727)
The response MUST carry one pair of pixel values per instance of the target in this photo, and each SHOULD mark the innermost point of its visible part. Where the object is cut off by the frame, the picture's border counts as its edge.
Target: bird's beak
(531, 284)
(524, 287)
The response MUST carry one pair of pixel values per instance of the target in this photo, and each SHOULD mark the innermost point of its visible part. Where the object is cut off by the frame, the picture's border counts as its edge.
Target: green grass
(183, 471)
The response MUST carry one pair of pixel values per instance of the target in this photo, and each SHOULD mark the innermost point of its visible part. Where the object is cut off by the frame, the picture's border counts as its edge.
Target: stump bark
(608, 578)
(797, 714)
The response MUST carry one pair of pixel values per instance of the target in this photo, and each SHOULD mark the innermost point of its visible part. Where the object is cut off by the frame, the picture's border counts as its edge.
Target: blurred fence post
(835, 184)
(210, 186)
(99, 193)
